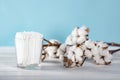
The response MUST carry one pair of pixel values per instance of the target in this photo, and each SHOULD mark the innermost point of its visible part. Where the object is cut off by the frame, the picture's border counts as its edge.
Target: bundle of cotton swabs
(77, 48)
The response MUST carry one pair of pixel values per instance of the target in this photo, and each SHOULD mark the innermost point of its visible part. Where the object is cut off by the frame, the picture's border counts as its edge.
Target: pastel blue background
(57, 18)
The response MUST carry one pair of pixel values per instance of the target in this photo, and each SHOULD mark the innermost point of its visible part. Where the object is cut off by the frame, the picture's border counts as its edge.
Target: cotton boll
(89, 44)
(104, 52)
(51, 51)
(78, 51)
(83, 31)
(79, 59)
(72, 48)
(69, 40)
(70, 54)
(88, 54)
(85, 28)
(75, 32)
(95, 51)
(74, 40)
(99, 60)
(80, 40)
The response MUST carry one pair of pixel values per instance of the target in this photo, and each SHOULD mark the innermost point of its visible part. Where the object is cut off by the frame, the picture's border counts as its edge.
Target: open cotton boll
(78, 51)
(75, 32)
(69, 40)
(80, 40)
(70, 54)
(95, 51)
(104, 52)
(79, 59)
(98, 60)
(82, 32)
(51, 51)
(89, 44)
(88, 54)
(74, 40)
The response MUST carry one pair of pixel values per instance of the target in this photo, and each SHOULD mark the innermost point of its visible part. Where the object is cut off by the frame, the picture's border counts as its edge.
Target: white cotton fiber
(78, 51)
(69, 40)
(51, 50)
(89, 44)
(108, 58)
(73, 58)
(80, 40)
(88, 54)
(54, 41)
(100, 61)
(74, 40)
(79, 59)
(63, 47)
(60, 52)
(70, 54)
(75, 32)
(83, 31)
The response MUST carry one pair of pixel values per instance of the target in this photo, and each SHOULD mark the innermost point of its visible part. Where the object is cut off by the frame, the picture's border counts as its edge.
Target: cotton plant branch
(113, 44)
(44, 54)
(114, 51)
(49, 43)
(83, 61)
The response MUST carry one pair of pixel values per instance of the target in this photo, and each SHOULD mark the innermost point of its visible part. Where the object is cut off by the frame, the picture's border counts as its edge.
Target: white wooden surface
(54, 70)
